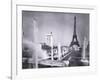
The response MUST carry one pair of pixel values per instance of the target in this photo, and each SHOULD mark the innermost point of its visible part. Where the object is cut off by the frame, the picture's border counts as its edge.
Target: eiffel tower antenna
(74, 25)
(74, 39)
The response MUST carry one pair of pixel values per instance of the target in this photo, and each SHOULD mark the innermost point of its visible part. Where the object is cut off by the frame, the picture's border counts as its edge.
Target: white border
(18, 73)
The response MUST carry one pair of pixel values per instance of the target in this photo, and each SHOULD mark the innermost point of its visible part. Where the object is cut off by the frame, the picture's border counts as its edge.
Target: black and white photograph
(55, 39)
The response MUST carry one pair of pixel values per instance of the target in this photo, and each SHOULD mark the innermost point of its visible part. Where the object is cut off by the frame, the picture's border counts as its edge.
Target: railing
(66, 55)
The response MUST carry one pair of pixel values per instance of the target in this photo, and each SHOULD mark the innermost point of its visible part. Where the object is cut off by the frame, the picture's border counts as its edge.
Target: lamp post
(50, 43)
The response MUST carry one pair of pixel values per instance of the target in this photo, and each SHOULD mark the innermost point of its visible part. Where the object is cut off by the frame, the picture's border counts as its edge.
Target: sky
(60, 24)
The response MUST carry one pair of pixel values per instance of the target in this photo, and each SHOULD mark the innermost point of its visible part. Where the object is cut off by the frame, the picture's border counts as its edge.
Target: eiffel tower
(74, 39)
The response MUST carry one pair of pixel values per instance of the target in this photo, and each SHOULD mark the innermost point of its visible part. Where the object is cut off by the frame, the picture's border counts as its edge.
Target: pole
(51, 43)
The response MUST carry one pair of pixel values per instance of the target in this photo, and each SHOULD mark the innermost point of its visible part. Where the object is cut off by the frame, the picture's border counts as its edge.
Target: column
(59, 51)
(35, 38)
(84, 49)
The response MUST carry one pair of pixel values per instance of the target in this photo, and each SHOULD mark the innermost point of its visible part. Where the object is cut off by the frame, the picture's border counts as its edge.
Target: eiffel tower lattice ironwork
(74, 39)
